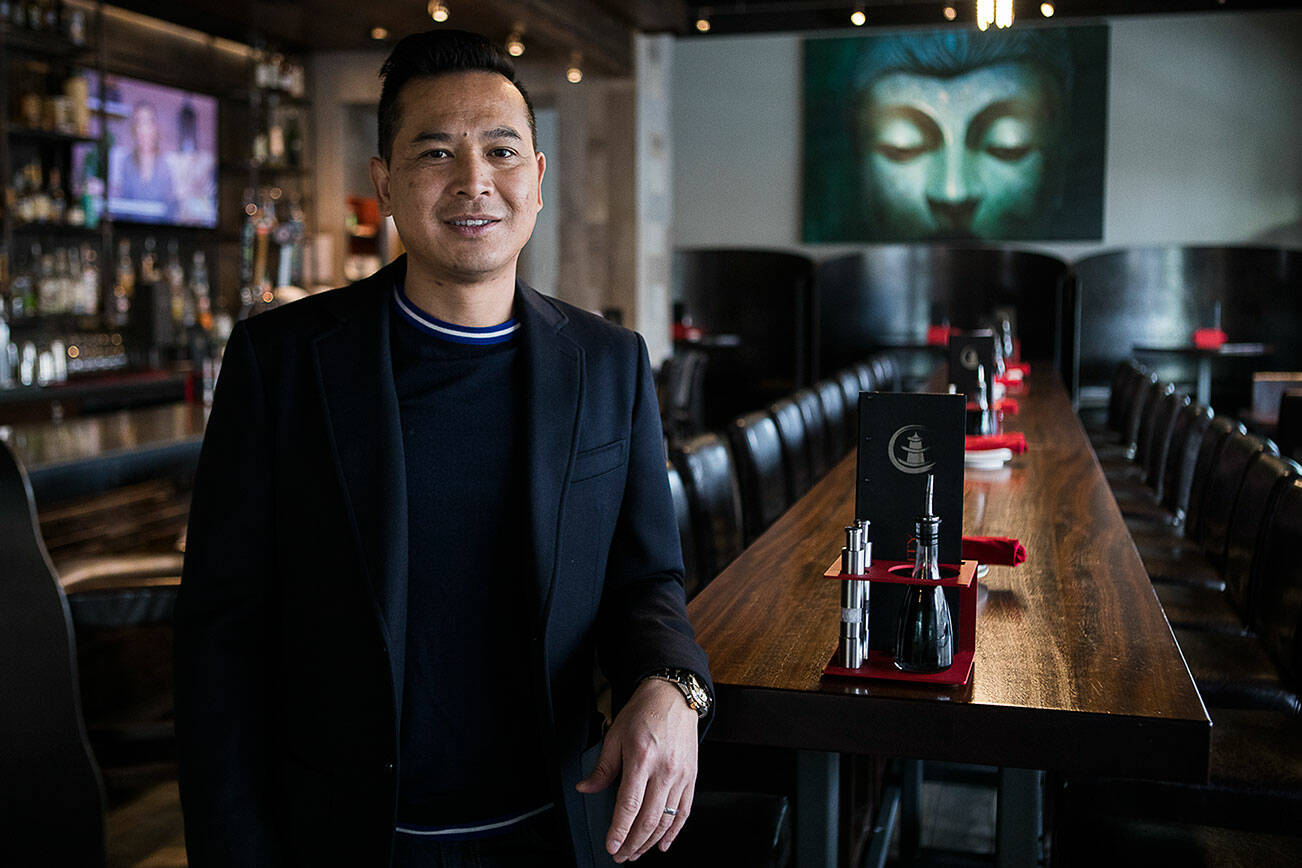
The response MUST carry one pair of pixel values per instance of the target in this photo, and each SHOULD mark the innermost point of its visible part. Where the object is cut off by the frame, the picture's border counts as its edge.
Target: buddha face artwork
(955, 135)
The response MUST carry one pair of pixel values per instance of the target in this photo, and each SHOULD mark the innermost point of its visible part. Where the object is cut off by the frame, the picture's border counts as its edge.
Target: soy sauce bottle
(924, 639)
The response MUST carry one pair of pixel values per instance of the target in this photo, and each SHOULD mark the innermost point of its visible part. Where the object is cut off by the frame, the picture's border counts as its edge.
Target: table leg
(910, 810)
(1204, 381)
(1020, 818)
(818, 788)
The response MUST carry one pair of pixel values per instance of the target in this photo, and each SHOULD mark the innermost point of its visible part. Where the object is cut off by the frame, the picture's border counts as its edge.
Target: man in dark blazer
(424, 502)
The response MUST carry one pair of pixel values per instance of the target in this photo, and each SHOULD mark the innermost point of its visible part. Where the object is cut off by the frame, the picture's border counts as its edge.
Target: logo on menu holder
(908, 451)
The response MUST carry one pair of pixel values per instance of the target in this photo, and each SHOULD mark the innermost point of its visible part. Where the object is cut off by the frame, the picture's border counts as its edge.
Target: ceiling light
(379, 33)
(438, 11)
(703, 20)
(515, 42)
(1046, 9)
(996, 12)
(857, 17)
(574, 74)
(950, 13)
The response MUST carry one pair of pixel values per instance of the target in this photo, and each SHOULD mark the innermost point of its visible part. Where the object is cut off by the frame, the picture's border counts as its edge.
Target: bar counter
(89, 454)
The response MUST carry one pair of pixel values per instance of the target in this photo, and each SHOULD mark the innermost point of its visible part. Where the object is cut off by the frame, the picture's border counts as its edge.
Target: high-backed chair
(682, 393)
(1176, 478)
(867, 379)
(795, 445)
(52, 799)
(1133, 470)
(1288, 432)
(811, 410)
(686, 531)
(757, 450)
(1134, 415)
(1184, 537)
(889, 371)
(849, 382)
(707, 471)
(833, 401)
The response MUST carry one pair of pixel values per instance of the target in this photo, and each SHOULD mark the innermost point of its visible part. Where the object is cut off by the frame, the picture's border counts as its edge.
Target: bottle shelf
(64, 230)
(43, 43)
(38, 134)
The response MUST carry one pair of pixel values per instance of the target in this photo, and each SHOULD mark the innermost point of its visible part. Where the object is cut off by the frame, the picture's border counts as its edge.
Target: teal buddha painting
(956, 135)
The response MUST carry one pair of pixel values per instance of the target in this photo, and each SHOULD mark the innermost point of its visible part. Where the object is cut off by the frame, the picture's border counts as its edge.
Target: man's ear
(542, 170)
(380, 178)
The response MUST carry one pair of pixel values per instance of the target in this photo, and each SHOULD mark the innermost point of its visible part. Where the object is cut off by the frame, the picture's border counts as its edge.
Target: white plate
(987, 459)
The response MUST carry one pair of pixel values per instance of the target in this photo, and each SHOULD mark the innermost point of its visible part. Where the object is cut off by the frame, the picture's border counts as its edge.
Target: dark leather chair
(1134, 415)
(761, 475)
(1129, 373)
(686, 531)
(811, 410)
(707, 471)
(867, 379)
(795, 445)
(833, 401)
(682, 394)
(1176, 477)
(52, 801)
(889, 372)
(1132, 471)
(849, 381)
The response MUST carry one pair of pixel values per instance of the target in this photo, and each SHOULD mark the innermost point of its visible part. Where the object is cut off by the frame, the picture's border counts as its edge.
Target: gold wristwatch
(698, 698)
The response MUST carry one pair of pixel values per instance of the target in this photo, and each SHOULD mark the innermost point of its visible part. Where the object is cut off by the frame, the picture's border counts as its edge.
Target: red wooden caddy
(881, 664)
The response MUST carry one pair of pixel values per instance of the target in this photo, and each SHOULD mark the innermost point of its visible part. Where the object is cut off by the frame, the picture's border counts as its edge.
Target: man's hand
(653, 740)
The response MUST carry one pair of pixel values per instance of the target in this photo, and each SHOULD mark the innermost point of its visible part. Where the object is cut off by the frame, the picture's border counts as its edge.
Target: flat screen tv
(162, 152)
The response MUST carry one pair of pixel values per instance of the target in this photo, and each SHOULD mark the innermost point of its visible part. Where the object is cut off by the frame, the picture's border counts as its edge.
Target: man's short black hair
(433, 53)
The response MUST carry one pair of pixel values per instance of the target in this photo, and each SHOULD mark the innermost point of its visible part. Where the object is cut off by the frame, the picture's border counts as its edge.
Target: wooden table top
(1076, 666)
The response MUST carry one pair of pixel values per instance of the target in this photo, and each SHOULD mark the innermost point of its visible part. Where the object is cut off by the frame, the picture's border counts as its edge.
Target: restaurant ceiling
(600, 29)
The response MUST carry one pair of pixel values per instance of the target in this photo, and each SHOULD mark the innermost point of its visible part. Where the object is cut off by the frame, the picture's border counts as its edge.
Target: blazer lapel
(552, 404)
(355, 374)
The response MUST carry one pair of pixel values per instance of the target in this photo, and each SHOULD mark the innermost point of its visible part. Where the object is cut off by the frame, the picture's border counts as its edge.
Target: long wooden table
(1076, 666)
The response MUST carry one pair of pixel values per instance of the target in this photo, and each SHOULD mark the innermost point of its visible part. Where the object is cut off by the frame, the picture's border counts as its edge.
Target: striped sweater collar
(473, 335)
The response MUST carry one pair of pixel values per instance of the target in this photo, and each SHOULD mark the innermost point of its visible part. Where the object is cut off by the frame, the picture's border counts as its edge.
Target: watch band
(698, 698)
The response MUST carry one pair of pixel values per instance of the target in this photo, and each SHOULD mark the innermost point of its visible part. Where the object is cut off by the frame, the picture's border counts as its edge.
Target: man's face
(463, 184)
(960, 156)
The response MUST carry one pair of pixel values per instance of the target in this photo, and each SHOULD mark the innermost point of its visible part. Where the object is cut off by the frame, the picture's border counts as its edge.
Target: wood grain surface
(1076, 666)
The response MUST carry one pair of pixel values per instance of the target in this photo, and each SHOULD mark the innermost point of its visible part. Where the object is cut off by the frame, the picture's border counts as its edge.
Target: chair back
(52, 801)
(1135, 414)
(1223, 489)
(757, 450)
(849, 381)
(1129, 373)
(1159, 442)
(1209, 452)
(795, 445)
(889, 371)
(711, 480)
(811, 410)
(867, 379)
(1267, 476)
(682, 394)
(1148, 422)
(1276, 609)
(833, 401)
(1186, 438)
(686, 531)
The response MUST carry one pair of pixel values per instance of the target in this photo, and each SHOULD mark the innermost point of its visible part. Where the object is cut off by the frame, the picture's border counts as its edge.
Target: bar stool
(686, 531)
(833, 401)
(811, 411)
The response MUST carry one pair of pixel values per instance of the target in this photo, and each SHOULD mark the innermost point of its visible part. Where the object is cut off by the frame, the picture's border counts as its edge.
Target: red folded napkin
(1015, 441)
(994, 550)
(938, 335)
(1209, 339)
(1007, 406)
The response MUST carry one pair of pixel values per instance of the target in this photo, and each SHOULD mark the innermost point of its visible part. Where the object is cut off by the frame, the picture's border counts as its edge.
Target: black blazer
(291, 618)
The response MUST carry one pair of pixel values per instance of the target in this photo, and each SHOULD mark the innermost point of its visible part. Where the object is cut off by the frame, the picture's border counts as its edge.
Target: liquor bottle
(174, 279)
(201, 290)
(924, 639)
(124, 287)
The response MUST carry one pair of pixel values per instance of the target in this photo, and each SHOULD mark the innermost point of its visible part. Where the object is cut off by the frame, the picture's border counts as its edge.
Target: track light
(1046, 9)
(703, 20)
(950, 13)
(438, 11)
(515, 42)
(574, 74)
(858, 17)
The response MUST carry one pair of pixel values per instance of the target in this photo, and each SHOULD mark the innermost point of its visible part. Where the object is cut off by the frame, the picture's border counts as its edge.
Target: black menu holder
(902, 439)
(966, 352)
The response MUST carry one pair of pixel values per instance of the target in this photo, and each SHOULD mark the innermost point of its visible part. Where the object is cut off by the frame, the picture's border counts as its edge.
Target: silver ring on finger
(671, 811)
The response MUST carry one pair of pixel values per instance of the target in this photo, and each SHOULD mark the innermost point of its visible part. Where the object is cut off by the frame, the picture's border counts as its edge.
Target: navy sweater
(470, 750)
